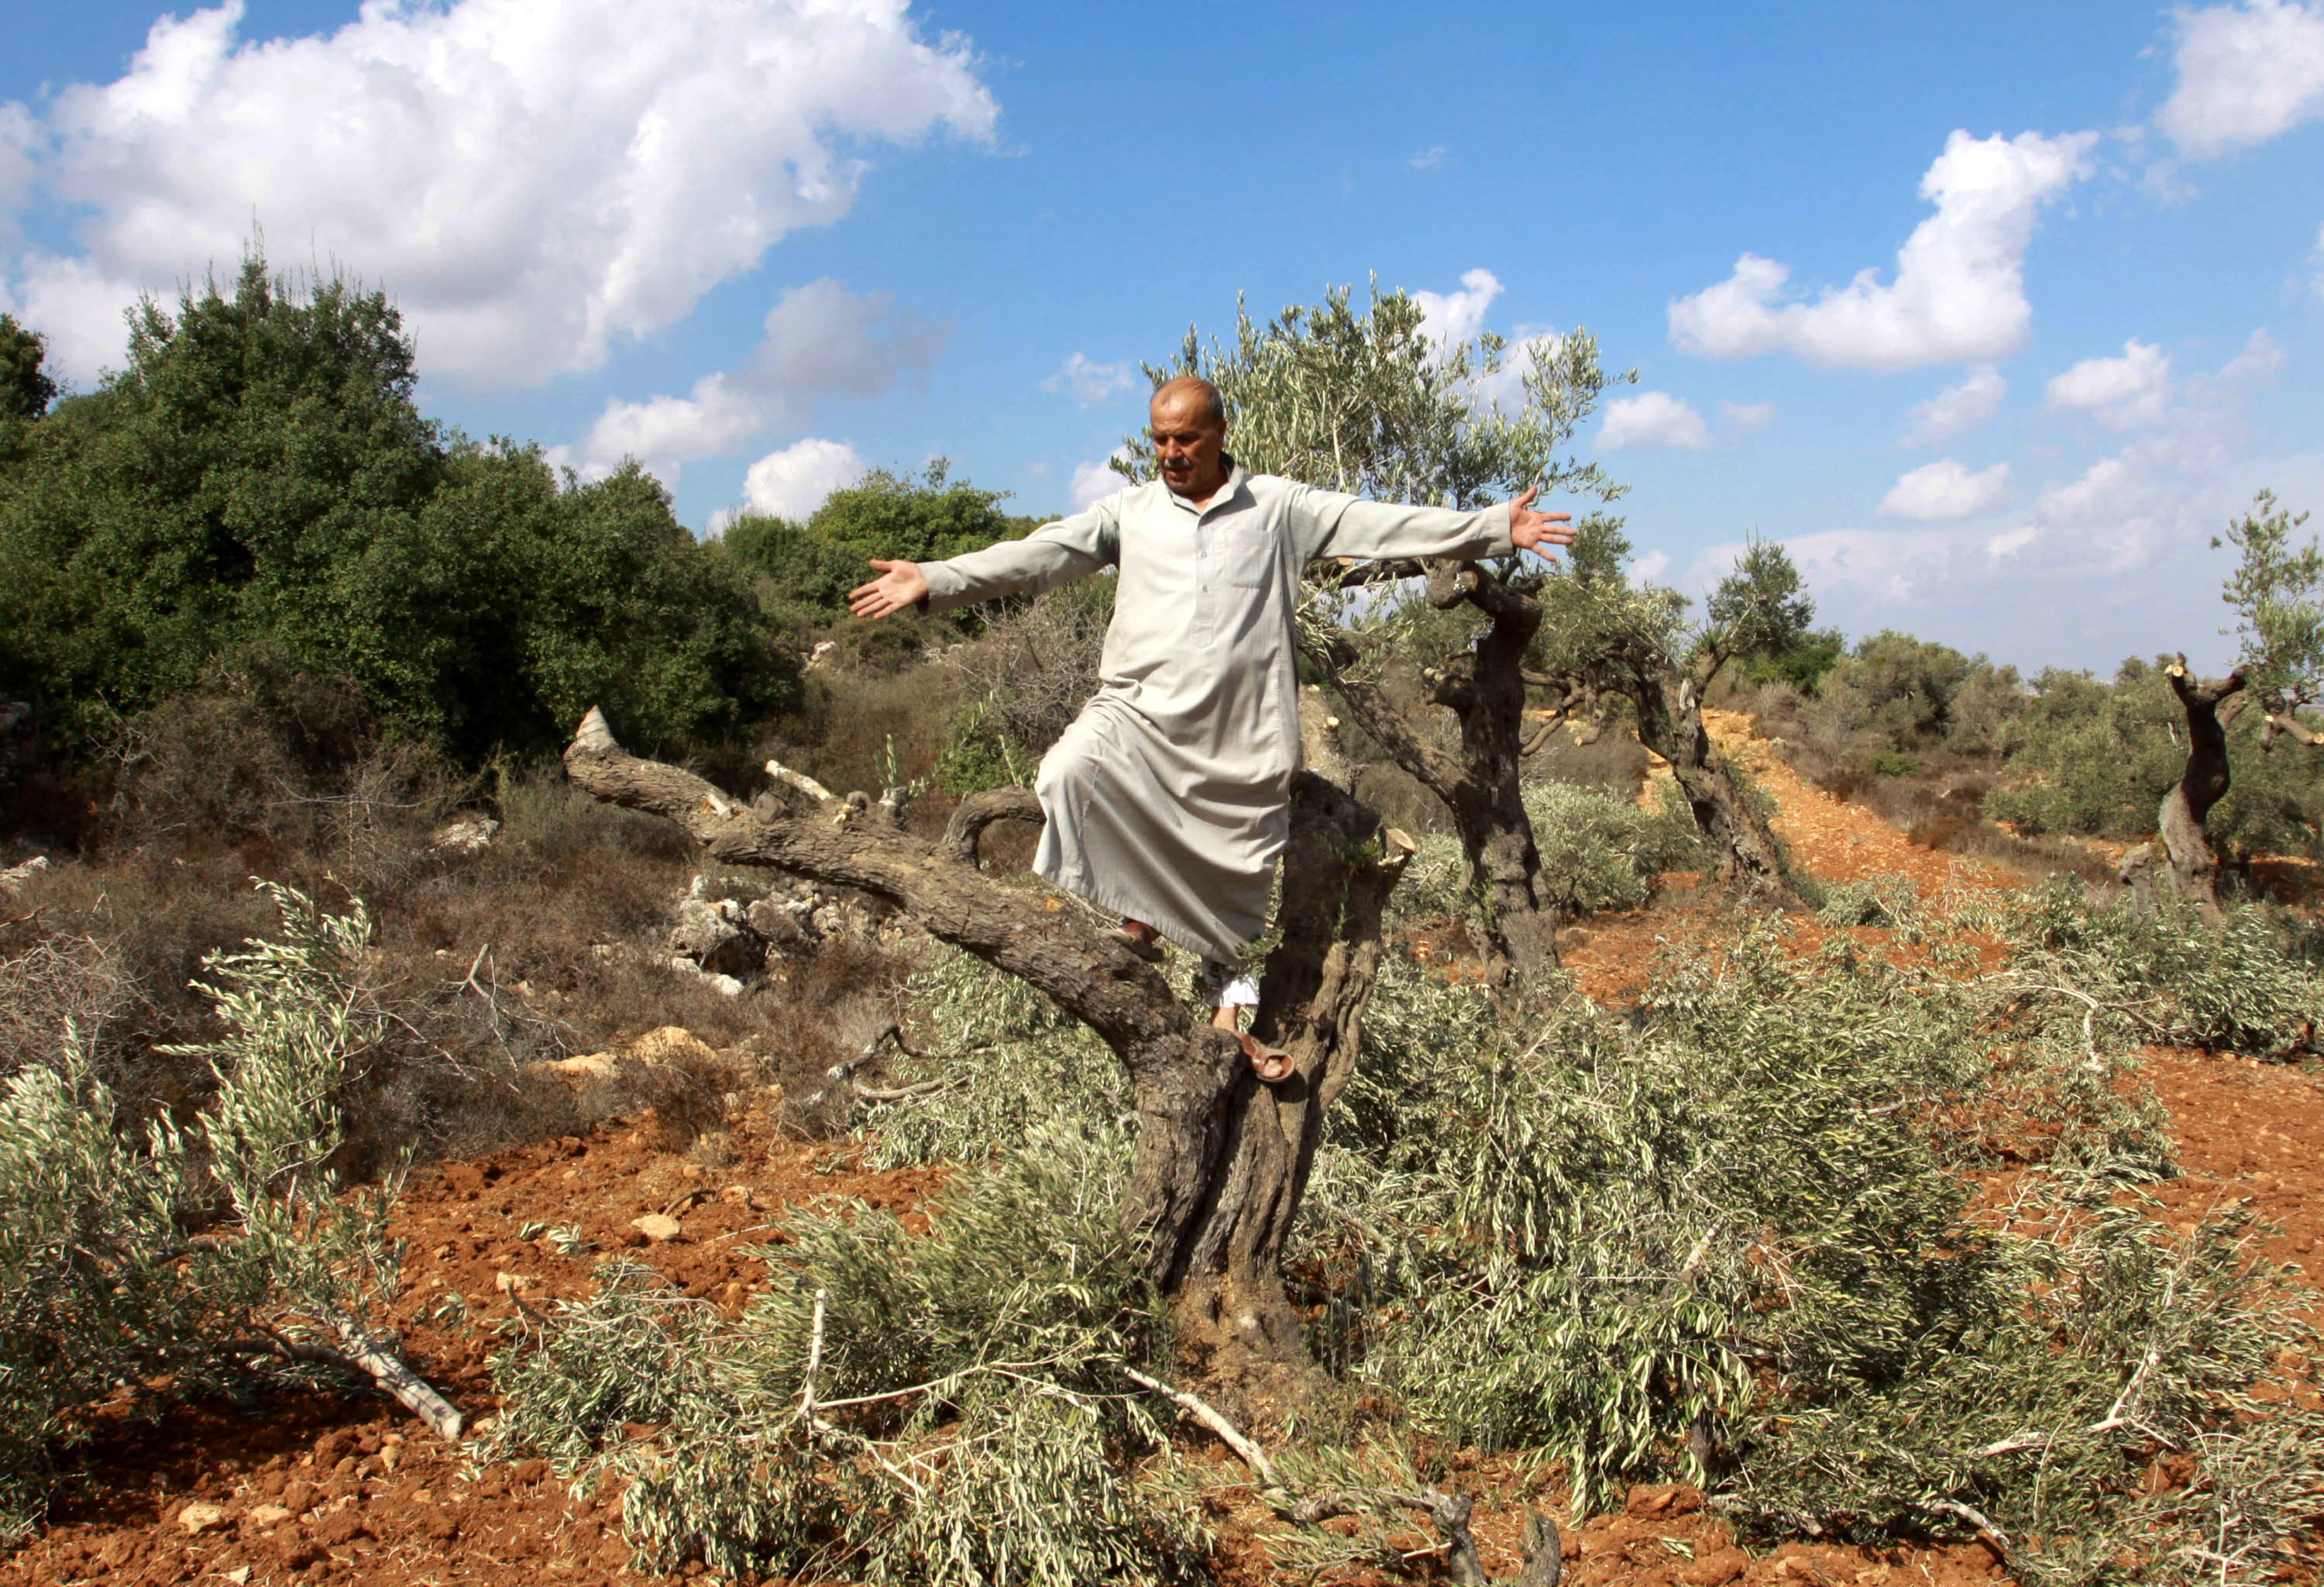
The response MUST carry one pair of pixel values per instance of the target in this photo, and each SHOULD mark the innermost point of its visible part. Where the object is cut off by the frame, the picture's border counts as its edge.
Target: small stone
(198, 1518)
(238, 1575)
(266, 1515)
(657, 1227)
(299, 1497)
(511, 1284)
(739, 1196)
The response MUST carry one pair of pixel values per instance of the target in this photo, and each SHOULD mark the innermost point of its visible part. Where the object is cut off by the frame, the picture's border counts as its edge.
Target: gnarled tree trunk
(1220, 1160)
(1480, 785)
(2180, 860)
(1670, 724)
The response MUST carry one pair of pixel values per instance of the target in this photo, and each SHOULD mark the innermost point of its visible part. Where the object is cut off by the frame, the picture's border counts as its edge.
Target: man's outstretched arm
(1054, 554)
(1349, 526)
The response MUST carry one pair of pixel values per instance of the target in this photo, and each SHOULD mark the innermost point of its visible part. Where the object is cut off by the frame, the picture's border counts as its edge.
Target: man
(1167, 800)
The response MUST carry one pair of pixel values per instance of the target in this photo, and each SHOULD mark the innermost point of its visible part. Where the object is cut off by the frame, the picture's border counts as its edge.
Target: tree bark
(1482, 785)
(2180, 860)
(1220, 1160)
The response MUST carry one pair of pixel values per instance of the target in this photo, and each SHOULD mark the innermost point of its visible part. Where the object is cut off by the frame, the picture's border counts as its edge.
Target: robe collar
(1223, 497)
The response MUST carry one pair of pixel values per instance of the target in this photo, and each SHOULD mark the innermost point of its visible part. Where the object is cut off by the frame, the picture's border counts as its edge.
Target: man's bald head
(1192, 390)
(1189, 425)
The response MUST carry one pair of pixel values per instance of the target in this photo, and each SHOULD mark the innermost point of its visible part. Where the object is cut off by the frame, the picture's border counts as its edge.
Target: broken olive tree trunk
(2181, 862)
(1634, 664)
(1220, 1160)
(1669, 709)
(1485, 689)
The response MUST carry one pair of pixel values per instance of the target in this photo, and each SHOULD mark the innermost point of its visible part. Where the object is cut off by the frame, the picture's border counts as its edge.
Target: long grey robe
(1168, 799)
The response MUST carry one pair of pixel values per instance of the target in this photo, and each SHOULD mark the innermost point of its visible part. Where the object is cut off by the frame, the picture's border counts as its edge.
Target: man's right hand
(899, 587)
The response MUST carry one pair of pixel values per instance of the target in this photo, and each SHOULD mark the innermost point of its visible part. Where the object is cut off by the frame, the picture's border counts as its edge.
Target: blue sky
(762, 245)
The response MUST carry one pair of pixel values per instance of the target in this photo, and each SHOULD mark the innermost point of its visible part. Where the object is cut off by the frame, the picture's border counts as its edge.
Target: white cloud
(821, 341)
(1649, 568)
(1945, 489)
(533, 180)
(19, 137)
(2247, 73)
(1956, 409)
(793, 483)
(1750, 418)
(80, 309)
(1095, 482)
(2114, 560)
(666, 433)
(1427, 159)
(1651, 419)
(1090, 381)
(2261, 355)
(1457, 317)
(1959, 294)
(2129, 392)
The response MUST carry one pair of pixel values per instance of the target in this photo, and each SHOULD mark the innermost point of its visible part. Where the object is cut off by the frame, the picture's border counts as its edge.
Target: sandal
(1271, 1064)
(1145, 948)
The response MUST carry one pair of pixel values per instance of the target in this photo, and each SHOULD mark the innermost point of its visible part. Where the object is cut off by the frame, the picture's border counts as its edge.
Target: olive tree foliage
(1608, 644)
(1366, 400)
(2277, 592)
(157, 1260)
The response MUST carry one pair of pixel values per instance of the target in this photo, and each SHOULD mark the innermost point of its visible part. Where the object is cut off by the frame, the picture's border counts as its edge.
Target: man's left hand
(1537, 531)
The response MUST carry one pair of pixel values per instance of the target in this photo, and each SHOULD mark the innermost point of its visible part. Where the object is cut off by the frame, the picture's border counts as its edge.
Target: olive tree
(1610, 644)
(2277, 594)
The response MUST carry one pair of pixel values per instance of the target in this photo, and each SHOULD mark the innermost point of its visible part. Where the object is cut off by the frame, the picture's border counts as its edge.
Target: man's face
(1188, 443)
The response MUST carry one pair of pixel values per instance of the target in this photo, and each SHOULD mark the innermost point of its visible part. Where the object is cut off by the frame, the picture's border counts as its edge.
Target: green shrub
(1889, 763)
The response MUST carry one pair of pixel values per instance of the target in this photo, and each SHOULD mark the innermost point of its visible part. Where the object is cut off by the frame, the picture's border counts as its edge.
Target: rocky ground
(351, 1489)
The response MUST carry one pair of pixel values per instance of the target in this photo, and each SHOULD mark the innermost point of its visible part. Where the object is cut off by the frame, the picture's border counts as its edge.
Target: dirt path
(349, 1490)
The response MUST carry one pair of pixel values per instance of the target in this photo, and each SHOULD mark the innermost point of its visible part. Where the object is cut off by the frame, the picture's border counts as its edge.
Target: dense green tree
(258, 479)
(25, 389)
(805, 570)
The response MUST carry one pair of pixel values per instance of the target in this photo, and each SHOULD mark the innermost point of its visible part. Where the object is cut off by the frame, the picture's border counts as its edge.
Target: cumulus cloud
(533, 180)
(2129, 392)
(1090, 381)
(1457, 317)
(793, 483)
(2247, 73)
(1651, 419)
(1750, 418)
(2112, 558)
(1959, 293)
(1936, 491)
(1095, 482)
(821, 341)
(666, 433)
(1956, 409)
